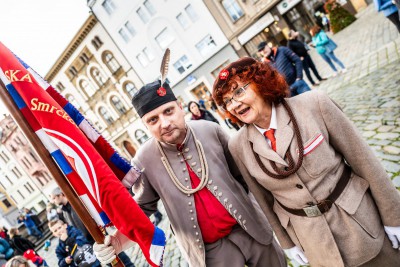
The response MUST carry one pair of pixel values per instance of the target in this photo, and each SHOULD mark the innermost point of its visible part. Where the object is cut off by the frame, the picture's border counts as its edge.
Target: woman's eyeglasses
(238, 94)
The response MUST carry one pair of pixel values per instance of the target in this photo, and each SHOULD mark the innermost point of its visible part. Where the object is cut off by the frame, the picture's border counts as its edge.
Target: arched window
(96, 42)
(130, 89)
(97, 76)
(105, 115)
(86, 87)
(111, 62)
(71, 99)
(130, 148)
(141, 136)
(84, 58)
(118, 105)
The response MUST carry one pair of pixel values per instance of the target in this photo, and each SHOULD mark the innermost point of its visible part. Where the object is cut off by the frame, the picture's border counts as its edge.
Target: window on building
(97, 76)
(206, 45)
(6, 203)
(84, 58)
(27, 189)
(118, 105)
(73, 71)
(192, 14)
(16, 172)
(40, 180)
(142, 59)
(42, 204)
(30, 186)
(130, 89)
(4, 157)
(86, 87)
(130, 28)
(45, 174)
(183, 21)
(96, 42)
(109, 6)
(60, 86)
(19, 192)
(33, 156)
(111, 62)
(143, 15)
(71, 99)
(28, 161)
(233, 9)
(149, 7)
(182, 64)
(124, 35)
(106, 115)
(20, 141)
(164, 38)
(45, 178)
(141, 136)
(147, 52)
(8, 178)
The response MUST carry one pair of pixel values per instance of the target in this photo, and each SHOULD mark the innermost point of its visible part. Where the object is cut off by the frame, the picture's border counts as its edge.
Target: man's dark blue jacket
(75, 236)
(287, 63)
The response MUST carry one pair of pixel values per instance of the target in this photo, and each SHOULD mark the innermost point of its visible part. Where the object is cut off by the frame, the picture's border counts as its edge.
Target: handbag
(330, 46)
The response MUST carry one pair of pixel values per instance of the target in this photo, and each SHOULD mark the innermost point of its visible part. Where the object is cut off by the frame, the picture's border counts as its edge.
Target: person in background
(51, 210)
(17, 261)
(70, 238)
(30, 225)
(19, 243)
(288, 64)
(35, 218)
(327, 196)
(200, 114)
(34, 258)
(6, 249)
(389, 8)
(4, 233)
(72, 219)
(325, 47)
(300, 49)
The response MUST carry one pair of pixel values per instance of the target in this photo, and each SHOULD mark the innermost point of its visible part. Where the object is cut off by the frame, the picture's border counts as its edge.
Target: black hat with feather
(155, 94)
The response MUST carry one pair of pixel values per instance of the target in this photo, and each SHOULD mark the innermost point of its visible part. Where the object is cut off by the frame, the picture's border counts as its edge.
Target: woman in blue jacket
(389, 9)
(325, 48)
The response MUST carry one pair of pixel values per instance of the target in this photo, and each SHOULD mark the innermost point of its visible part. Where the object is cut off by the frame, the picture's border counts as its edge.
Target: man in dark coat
(288, 64)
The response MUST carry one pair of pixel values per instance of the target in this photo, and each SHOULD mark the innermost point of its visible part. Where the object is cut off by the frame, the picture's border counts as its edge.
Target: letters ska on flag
(97, 173)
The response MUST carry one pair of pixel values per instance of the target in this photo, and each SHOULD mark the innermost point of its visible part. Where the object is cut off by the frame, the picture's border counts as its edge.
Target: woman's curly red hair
(270, 84)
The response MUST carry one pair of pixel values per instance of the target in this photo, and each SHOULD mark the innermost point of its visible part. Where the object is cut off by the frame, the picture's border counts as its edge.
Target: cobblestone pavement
(369, 94)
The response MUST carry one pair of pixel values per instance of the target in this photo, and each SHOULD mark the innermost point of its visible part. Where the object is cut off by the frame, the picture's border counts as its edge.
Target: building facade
(24, 179)
(97, 79)
(144, 29)
(247, 23)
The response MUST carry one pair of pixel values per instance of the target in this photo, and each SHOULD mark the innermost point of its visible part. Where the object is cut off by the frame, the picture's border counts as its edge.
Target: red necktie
(270, 135)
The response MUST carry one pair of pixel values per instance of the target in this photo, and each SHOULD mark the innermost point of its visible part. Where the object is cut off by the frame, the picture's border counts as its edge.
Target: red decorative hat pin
(161, 91)
(223, 75)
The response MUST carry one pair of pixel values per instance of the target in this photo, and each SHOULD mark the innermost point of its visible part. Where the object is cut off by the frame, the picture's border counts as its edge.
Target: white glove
(112, 246)
(394, 235)
(296, 254)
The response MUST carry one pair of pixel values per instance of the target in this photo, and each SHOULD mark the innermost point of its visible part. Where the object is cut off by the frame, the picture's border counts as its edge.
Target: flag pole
(44, 155)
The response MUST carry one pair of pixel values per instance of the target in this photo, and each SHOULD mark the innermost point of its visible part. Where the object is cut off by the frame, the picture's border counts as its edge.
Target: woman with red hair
(325, 194)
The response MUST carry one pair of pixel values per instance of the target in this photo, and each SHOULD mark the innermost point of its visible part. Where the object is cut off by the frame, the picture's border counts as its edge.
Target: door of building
(300, 20)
